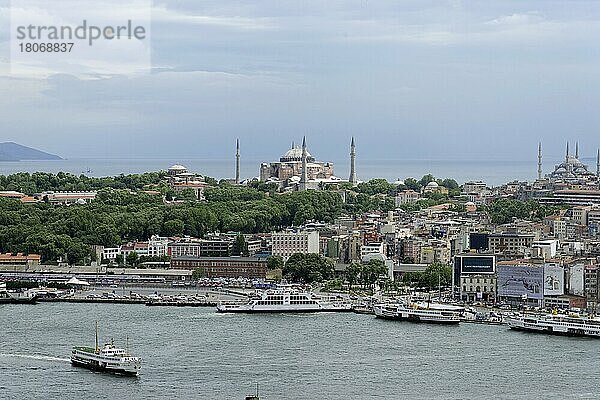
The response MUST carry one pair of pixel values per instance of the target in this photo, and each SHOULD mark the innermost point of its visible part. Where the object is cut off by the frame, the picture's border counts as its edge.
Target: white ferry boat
(106, 359)
(419, 312)
(285, 300)
(556, 324)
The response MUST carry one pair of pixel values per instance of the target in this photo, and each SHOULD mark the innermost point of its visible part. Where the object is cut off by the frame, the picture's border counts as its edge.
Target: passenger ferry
(7, 297)
(556, 324)
(285, 299)
(419, 312)
(107, 359)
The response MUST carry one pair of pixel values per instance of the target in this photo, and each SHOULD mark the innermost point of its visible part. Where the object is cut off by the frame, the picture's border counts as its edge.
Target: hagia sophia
(297, 169)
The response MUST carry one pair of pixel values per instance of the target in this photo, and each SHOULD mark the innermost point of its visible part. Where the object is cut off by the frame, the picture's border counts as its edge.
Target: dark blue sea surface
(195, 353)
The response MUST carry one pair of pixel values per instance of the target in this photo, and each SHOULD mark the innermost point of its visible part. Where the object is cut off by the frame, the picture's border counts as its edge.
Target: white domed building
(572, 169)
(290, 166)
(180, 179)
(176, 170)
(434, 187)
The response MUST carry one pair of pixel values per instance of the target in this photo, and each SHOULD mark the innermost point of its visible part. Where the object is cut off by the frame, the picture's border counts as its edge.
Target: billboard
(554, 280)
(472, 264)
(523, 281)
(576, 280)
(477, 264)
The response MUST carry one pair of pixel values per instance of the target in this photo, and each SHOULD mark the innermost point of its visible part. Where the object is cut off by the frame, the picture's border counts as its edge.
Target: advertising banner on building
(477, 264)
(520, 280)
(554, 280)
(576, 280)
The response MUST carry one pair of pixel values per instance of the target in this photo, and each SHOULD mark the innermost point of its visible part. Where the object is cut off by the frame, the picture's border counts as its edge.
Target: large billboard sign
(554, 280)
(477, 264)
(576, 280)
(523, 281)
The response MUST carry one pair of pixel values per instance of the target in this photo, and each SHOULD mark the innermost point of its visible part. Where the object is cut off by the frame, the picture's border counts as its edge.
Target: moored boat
(106, 359)
(363, 309)
(285, 299)
(7, 297)
(556, 324)
(419, 312)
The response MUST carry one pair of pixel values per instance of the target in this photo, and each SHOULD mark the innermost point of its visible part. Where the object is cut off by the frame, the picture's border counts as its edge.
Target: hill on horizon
(11, 151)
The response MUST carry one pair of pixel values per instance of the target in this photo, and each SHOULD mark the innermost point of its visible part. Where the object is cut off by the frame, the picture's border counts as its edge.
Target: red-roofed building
(20, 259)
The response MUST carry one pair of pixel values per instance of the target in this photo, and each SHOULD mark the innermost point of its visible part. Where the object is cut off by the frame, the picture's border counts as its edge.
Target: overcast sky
(409, 79)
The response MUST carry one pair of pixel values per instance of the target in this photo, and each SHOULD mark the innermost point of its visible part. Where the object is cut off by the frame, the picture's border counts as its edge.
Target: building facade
(285, 244)
(224, 267)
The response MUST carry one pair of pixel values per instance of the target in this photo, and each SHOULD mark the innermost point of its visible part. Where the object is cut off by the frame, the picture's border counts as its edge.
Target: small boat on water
(363, 309)
(106, 359)
(285, 299)
(556, 324)
(419, 312)
(7, 297)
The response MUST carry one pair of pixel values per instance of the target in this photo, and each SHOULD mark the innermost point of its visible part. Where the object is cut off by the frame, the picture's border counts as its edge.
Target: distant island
(10, 151)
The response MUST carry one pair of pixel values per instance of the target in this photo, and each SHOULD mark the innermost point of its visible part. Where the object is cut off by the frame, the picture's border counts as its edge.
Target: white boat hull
(416, 315)
(123, 369)
(281, 308)
(102, 362)
(549, 328)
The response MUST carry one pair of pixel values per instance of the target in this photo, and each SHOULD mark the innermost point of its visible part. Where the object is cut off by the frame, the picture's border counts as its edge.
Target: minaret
(577, 150)
(540, 161)
(352, 178)
(598, 164)
(567, 156)
(237, 161)
(303, 178)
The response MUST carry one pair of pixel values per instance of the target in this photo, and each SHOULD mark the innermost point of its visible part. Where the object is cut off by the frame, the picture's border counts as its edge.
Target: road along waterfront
(198, 353)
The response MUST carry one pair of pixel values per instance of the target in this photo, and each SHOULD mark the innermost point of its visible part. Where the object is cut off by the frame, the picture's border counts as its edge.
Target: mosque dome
(432, 185)
(295, 154)
(177, 169)
(571, 167)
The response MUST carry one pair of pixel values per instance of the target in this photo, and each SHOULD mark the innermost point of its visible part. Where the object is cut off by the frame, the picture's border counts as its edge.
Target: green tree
(308, 268)
(120, 260)
(352, 274)
(173, 227)
(412, 184)
(449, 184)
(132, 259)
(372, 271)
(426, 179)
(240, 248)
(275, 262)
(187, 195)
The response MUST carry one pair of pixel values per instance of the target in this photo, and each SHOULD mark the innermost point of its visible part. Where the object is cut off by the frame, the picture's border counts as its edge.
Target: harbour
(204, 354)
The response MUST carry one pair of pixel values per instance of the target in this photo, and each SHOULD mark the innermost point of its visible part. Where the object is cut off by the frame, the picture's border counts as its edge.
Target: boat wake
(36, 357)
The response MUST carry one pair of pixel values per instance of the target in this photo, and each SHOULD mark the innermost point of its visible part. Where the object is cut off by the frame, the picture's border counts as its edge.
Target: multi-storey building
(435, 251)
(591, 280)
(20, 259)
(224, 267)
(406, 197)
(217, 247)
(474, 187)
(372, 248)
(285, 244)
(510, 243)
